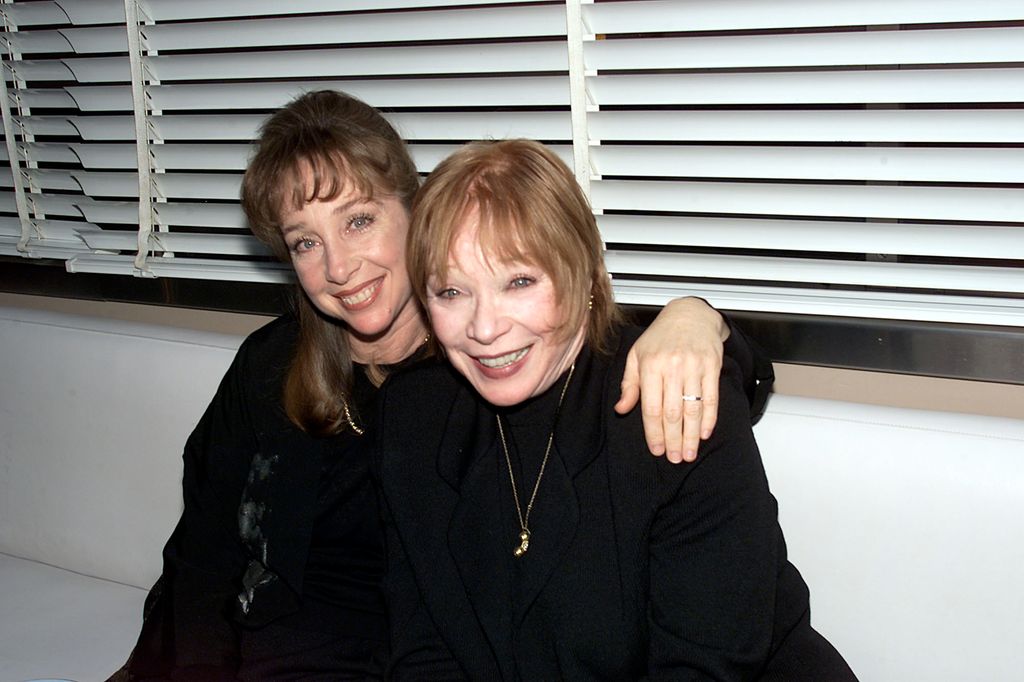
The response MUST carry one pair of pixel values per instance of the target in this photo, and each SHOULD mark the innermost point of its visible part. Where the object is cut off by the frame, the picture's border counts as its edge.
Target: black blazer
(237, 559)
(637, 568)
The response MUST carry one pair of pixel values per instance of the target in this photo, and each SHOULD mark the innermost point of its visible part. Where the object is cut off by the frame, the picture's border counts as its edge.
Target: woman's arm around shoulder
(679, 354)
(673, 369)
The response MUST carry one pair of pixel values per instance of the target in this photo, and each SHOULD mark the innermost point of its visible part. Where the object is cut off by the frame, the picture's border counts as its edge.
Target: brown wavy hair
(340, 142)
(531, 209)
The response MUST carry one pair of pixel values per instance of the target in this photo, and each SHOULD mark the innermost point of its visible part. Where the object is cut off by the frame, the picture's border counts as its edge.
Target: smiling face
(500, 322)
(349, 255)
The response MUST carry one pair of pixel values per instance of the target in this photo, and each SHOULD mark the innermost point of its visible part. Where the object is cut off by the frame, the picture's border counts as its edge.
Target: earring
(590, 303)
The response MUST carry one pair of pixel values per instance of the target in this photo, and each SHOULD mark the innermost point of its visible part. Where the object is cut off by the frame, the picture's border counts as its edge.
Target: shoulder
(281, 332)
(256, 374)
(730, 450)
(417, 398)
(269, 349)
(729, 462)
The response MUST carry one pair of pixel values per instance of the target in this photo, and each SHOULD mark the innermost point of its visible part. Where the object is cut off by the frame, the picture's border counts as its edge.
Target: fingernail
(690, 455)
(705, 434)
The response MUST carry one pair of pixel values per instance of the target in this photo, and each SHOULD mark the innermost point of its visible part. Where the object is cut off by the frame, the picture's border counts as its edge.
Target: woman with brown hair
(527, 537)
(274, 570)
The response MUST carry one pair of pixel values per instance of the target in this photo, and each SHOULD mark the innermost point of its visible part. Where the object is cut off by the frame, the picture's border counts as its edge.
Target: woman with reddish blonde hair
(527, 537)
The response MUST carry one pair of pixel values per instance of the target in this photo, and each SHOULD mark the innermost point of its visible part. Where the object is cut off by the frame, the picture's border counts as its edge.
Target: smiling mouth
(505, 360)
(363, 295)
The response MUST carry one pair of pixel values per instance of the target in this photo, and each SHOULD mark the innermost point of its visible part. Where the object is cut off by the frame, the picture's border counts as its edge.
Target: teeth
(362, 295)
(503, 360)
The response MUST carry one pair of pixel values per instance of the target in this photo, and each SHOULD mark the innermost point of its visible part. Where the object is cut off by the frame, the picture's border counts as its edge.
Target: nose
(339, 264)
(488, 323)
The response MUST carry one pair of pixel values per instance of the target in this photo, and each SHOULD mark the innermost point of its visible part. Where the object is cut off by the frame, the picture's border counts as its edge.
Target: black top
(276, 563)
(637, 568)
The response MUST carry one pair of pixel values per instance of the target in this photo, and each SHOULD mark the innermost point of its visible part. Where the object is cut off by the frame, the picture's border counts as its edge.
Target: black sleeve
(756, 372)
(715, 549)
(187, 631)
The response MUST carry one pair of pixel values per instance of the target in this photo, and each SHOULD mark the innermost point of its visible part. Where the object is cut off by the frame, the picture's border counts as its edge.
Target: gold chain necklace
(348, 415)
(524, 519)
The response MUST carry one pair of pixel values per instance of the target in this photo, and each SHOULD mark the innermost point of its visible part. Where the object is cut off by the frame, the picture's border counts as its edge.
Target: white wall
(908, 526)
(93, 417)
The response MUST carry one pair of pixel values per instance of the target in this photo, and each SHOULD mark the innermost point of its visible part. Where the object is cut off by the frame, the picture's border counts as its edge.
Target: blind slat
(543, 125)
(813, 87)
(33, 13)
(354, 29)
(951, 241)
(198, 185)
(94, 155)
(736, 15)
(47, 125)
(48, 98)
(53, 179)
(40, 70)
(58, 249)
(812, 200)
(200, 156)
(217, 244)
(439, 92)
(108, 240)
(100, 69)
(34, 42)
(937, 46)
(192, 268)
(847, 125)
(814, 163)
(348, 62)
(88, 12)
(873, 304)
(117, 212)
(901, 275)
(184, 213)
(168, 10)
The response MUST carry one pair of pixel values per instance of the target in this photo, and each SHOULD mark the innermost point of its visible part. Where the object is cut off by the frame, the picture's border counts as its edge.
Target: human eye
(302, 245)
(446, 293)
(439, 289)
(521, 281)
(360, 222)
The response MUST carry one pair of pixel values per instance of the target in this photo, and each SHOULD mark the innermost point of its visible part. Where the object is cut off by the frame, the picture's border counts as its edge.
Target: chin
(501, 396)
(369, 322)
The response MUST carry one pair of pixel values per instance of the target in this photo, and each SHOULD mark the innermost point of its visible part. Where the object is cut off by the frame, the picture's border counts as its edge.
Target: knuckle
(692, 409)
(650, 411)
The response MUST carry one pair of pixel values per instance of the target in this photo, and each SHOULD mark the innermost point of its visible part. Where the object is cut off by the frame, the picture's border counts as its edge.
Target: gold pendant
(524, 544)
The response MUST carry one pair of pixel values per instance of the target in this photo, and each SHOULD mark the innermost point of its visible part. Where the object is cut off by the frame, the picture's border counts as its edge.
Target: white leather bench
(907, 525)
(93, 416)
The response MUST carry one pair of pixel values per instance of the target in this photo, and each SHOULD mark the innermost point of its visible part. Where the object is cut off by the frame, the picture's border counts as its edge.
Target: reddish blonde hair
(531, 209)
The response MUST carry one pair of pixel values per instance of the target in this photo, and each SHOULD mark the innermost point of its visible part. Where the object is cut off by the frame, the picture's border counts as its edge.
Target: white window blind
(858, 158)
